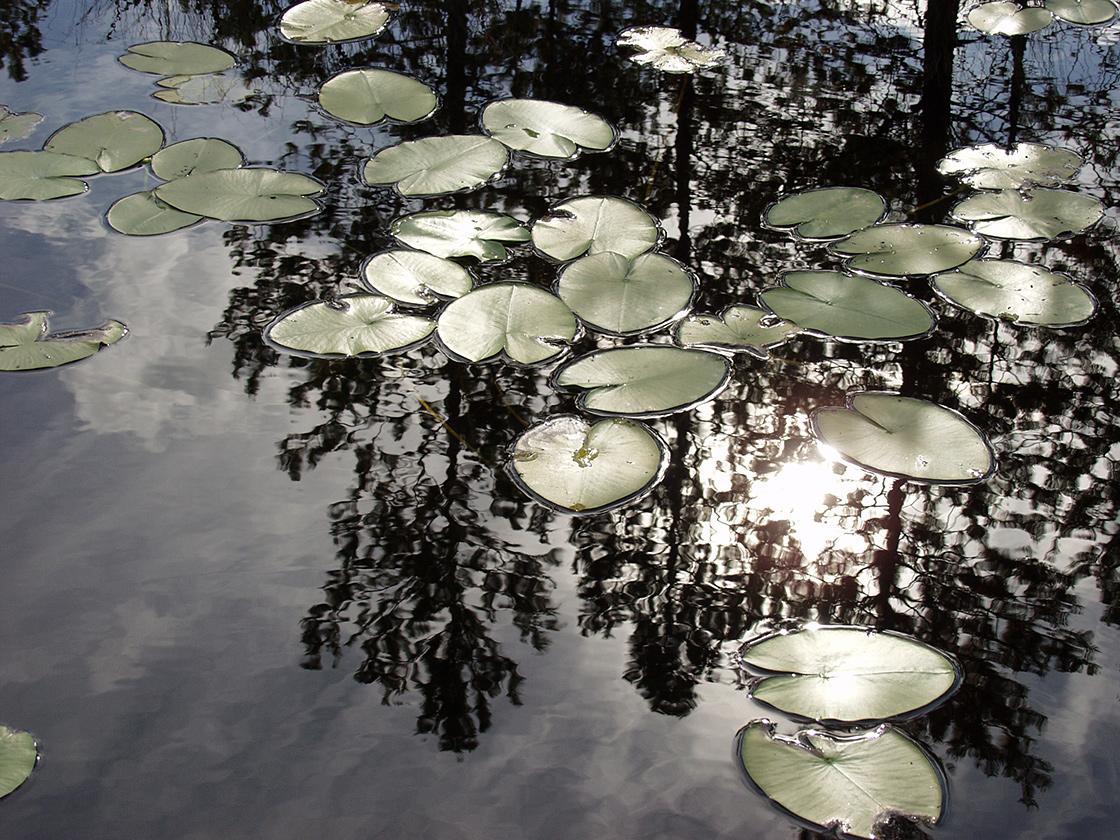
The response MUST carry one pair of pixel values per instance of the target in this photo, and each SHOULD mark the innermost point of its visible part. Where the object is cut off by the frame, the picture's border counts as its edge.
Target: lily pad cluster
(1007, 17)
(192, 73)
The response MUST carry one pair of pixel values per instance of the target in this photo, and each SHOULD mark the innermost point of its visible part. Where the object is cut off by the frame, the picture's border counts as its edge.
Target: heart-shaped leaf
(18, 756)
(37, 176)
(992, 167)
(351, 325)
(899, 250)
(1007, 17)
(415, 276)
(575, 467)
(827, 213)
(1038, 214)
(203, 90)
(333, 21)
(460, 233)
(437, 165)
(1017, 292)
(171, 58)
(904, 437)
(243, 195)
(546, 129)
(115, 140)
(144, 214)
(200, 154)
(17, 126)
(368, 95)
(740, 328)
(593, 225)
(26, 345)
(665, 48)
(1083, 12)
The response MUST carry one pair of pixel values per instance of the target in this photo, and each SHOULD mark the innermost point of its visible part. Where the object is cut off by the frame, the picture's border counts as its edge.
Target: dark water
(246, 595)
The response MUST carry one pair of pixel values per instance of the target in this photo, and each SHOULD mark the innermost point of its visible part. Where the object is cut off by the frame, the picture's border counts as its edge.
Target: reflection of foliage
(20, 38)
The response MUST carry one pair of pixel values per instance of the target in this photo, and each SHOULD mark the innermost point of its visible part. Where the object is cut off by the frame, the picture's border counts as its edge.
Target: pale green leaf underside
(460, 233)
(898, 250)
(352, 325)
(593, 225)
(114, 140)
(1009, 18)
(848, 307)
(527, 324)
(18, 755)
(143, 214)
(547, 129)
(852, 782)
(906, 438)
(1083, 12)
(17, 126)
(992, 167)
(326, 21)
(740, 328)
(1015, 291)
(243, 195)
(827, 213)
(624, 297)
(369, 95)
(169, 58)
(26, 345)
(569, 464)
(1039, 214)
(415, 277)
(202, 90)
(437, 165)
(199, 154)
(666, 49)
(42, 175)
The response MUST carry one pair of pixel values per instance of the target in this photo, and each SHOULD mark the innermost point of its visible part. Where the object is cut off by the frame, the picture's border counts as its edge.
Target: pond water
(251, 594)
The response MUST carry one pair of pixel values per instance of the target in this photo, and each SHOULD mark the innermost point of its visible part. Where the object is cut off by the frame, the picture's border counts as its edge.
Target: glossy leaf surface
(42, 175)
(415, 277)
(144, 214)
(437, 165)
(203, 90)
(243, 195)
(1038, 214)
(546, 129)
(460, 233)
(1083, 12)
(625, 297)
(18, 755)
(666, 49)
(827, 213)
(1017, 292)
(200, 154)
(114, 140)
(172, 58)
(740, 328)
(351, 325)
(368, 95)
(992, 167)
(898, 250)
(333, 21)
(26, 344)
(1007, 17)
(593, 225)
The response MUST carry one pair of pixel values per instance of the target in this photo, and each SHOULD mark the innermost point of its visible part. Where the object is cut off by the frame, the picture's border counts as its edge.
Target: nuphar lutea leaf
(172, 58)
(26, 344)
(202, 90)
(739, 329)
(1016, 292)
(333, 21)
(1083, 12)
(827, 213)
(1038, 214)
(437, 165)
(18, 756)
(37, 176)
(200, 154)
(1009, 18)
(898, 250)
(666, 49)
(144, 214)
(17, 126)
(368, 95)
(460, 233)
(593, 225)
(992, 167)
(115, 140)
(243, 195)
(546, 129)
(415, 277)
(351, 325)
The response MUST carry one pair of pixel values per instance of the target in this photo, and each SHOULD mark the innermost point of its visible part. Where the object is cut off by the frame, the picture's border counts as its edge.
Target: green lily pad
(115, 140)
(848, 783)
(170, 58)
(243, 195)
(1016, 292)
(665, 48)
(1009, 18)
(415, 276)
(593, 225)
(992, 167)
(849, 674)
(37, 176)
(26, 344)
(203, 90)
(740, 328)
(460, 233)
(200, 154)
(351, 325)
(904, 437)
(17, 126)
(644, 380)
(18, 756)
(827, 213)
(1083, 12)
(333, 21)
(621, 296)
(572, 466)
(369, 95)
(1038, 214)
(899, 250)
(546, 129)
(848, 307)
(524, 323)
(143, 214)
(437, 165)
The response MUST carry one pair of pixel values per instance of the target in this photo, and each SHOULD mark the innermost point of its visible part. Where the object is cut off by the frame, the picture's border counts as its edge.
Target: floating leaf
(899, 250)
(849, 674)
(200, 154)
(594, 224)
(991, 167)
(1083, 12)
(143, 214)
(570, 465)
(645, 381)
(848, 307)
(369, 95)
(1009, 18)
(621, 296)
(169, 58)
(547, 129)
(17, 126)
(351, 325)
(42, 175)
(243, 195)
(739, 328)
(1038, 214)
(904, 437)
(437, 165)
(1015, 291)
(665, 48)
(18, 756)
(26, 345)
(333, 21)
(853, 783)
(460, 233)
(827, 213)
(527, 324)
(114, 140)
(202, 90)
(415, 276)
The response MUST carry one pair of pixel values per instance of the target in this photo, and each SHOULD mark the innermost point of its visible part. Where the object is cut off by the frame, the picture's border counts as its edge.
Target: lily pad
(524, 323)
(1083, 12)
(243, 195)
(460, 233)
(827, 213)
(170, 58)
(546, 129)
(848, 307)
(17, 126)
(621, 296)
(575, 467)
(41, 175)
(415, 276)
(351, 325)
(849, 674)
(645, 380)
(1016, 292)
(739, 329)
(200, 154)
(992, 167)
(203, 90)
(849, 783)
(18, 756)
(665, 48)
(1038, 214)
(144, 214)
(333, 21)
(26, 344)
(904, 437)
(115, 140)
(369, 95)
(593, 225)
(1009, 18)
(437, 165)
(898, 250)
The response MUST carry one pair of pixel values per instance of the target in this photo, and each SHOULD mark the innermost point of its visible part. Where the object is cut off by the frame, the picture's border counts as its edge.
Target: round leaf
(143, 214)
(1083, 12)
(575, 467)
(352, 325)
(903, 437)
(460, 233)
(41, 175)
(26, 345)
(327, 21)
(1009, 18)
(415, 276)
(739, 328)
(169, 58)
(243, 195)
(991, 167)
(114, 140)
(369, 95)
(1015, 291)
(547, 129)
(594, 224)
(664, 48)
(437, 165)
(827, 213)
(899, 250)
(18, 756)
(200, 154)
(1038, 214)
